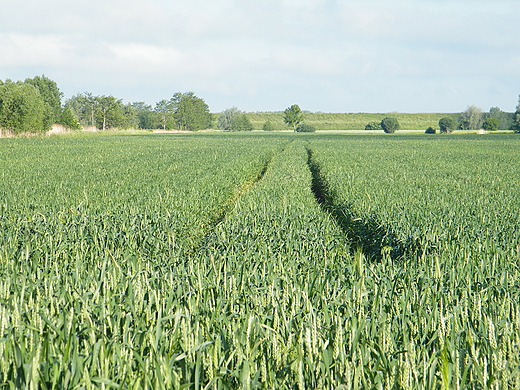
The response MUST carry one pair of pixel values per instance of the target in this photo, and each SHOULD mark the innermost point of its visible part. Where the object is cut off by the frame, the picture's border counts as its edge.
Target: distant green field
(260, 261)
(350, 121)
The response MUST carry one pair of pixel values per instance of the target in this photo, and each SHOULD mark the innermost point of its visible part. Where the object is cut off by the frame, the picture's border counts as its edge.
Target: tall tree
(516, 118)
(165, 110)
(22, 108)
(226, 118)
(471, 119)
(109, 112)
(83, 105)
(191, 112)
(144, 115)
(51, 95)
(293, 116)
(505, 118)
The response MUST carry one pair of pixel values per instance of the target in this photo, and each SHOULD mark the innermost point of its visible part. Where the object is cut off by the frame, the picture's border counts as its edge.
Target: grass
(351, 121)
(226, 261)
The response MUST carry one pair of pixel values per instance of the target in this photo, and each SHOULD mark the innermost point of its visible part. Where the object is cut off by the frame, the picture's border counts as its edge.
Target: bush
(430, 130)
(305, 128)
(491, 124)
(241, 123)
(390, 124)
(268, 126)
(447, 125)
(373, 126)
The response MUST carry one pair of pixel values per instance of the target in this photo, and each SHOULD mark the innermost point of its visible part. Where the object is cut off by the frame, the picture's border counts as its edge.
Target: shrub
(390, 124)
(447, 125)
(491, 124)
(241, 123)
(268, 126)
(373, 126)
(430, 130)
(305, 128)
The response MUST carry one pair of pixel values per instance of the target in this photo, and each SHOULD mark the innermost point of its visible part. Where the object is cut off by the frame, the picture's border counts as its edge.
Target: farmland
(350, 121)
(225, 261)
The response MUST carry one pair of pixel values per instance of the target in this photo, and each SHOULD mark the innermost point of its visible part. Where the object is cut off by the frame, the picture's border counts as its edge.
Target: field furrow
(260, 261)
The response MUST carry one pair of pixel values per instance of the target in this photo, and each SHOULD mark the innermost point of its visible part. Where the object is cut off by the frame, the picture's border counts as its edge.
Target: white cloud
(249, 50)
(32, 50)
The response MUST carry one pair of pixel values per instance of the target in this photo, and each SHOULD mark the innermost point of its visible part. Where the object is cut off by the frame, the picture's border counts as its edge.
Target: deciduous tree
(165, 110)
(227, 117)
(390, 124)
(516, 118)
(447, 125)
(191, 112)
(293, 116)
(471, 119)
(22, 108)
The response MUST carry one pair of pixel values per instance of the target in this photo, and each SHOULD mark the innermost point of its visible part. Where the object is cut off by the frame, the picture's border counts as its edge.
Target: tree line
(35, 104)
(473, 118)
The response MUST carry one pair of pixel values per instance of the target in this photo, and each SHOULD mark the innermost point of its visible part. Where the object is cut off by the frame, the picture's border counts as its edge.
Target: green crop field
(260, 261)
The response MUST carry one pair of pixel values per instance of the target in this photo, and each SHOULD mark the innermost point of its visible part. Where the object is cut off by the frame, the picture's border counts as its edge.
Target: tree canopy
(22, 108)
(293, 116)
(471, 119)
(190, 112)
(516, 118)
(390, 124)
(447, 125)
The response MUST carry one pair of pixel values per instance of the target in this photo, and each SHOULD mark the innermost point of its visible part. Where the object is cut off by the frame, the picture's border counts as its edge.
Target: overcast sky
(264, 55)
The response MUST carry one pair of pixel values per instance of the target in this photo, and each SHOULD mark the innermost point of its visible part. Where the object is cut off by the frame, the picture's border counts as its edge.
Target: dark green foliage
(390, 124)
(447, 125)
(293, 116)
(305, 128)
(516, 118)
(505, 118)
(68, 119)
(268, 126)
(51, 95)
(430, 130)
(373, 126)
(191, 112)
(491, 124)
(241, 123)
(22, 108)
(144, 115)
(164, 110)
(83, 105)
(109, 113)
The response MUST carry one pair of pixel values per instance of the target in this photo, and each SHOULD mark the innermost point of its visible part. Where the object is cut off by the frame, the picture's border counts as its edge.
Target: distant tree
(68, 119)
(305, 128)
(109, 112)
(430, 130)
(268, 126)
(165, 110)
(22, 108)
(516, 118)
(505, 118)
(447, 125)
(471, 119)
(144, 115)
(83, 105)
(293, 116)
(51, 95)
(227, 117)
(241, 123)
(390, 124)
(491, 124)
(191, 112)
(373, 126)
